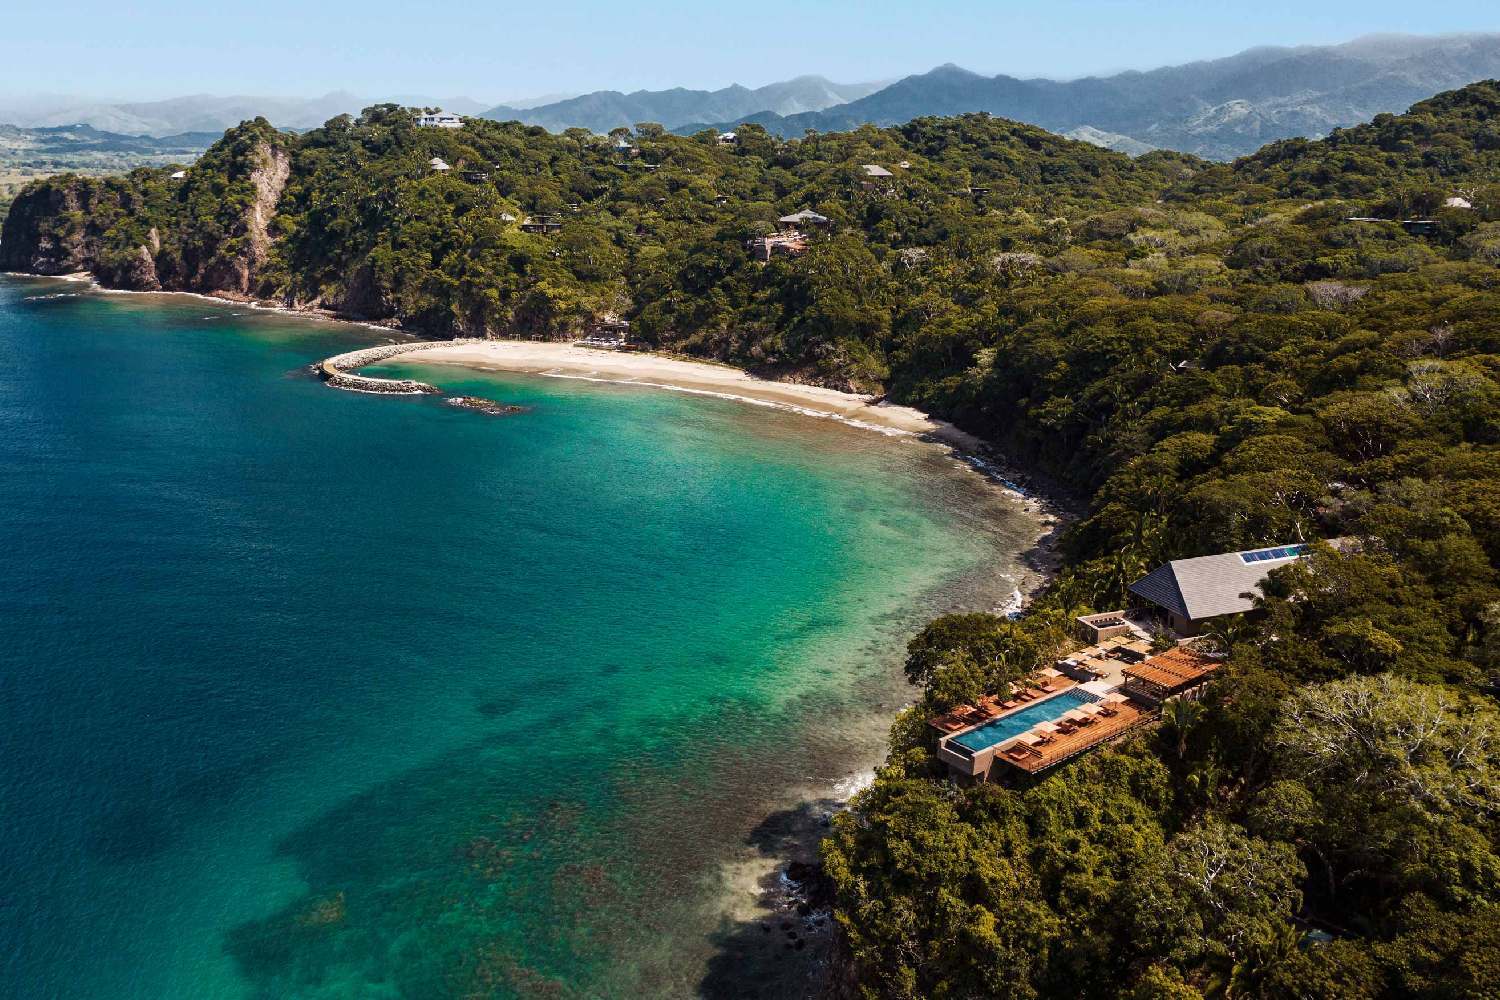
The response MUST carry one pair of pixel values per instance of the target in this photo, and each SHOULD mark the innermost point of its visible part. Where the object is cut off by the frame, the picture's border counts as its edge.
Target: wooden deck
(1062, 746)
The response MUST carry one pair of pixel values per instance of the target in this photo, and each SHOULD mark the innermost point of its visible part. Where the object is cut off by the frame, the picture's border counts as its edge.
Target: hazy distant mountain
(607, 109)
(1220, 108)
(1109, 140)
(204, 112)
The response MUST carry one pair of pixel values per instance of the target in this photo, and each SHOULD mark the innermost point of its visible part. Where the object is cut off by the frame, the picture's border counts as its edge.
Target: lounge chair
(1044, 739)
(1026, 696)
(1065, 727)
(1108, 712)
(1018, 752)
(1009, 704)
(1087, 720)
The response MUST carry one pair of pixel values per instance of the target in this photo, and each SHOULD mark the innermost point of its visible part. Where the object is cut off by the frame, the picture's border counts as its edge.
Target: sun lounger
(1087, 720)
(1108, 712)
(1065, 727)
(1009, 704)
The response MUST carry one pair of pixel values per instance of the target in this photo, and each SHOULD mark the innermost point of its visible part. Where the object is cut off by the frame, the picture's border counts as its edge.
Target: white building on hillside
(439, 119)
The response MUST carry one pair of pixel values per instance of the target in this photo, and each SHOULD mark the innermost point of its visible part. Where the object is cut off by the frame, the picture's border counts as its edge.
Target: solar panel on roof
(1280, 552)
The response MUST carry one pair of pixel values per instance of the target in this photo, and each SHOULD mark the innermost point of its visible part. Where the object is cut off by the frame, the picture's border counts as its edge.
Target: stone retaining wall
(339, 370)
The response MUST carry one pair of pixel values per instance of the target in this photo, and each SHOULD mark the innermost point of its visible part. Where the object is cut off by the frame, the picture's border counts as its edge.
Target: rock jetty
(339, 371)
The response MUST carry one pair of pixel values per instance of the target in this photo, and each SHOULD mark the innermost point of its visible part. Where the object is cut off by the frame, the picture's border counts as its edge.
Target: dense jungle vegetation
(1213, 356)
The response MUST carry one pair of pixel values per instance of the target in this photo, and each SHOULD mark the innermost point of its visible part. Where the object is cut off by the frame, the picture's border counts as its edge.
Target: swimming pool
(1003, 728)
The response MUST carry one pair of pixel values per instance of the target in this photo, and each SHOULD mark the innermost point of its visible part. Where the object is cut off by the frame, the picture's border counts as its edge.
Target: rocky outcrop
(490, 406)
(45, 231)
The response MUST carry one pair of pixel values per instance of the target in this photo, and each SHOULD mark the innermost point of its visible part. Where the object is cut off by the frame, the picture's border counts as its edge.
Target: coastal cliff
(207, 231)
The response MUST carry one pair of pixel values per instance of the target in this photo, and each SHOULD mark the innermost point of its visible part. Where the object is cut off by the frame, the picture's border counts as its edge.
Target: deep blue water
(319, 694)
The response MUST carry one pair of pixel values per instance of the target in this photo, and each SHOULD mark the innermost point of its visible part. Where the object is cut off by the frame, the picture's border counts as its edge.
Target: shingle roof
(1212, 585)
(874, 170)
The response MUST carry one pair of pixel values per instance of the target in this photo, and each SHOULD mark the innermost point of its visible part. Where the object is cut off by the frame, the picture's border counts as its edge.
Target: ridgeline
(1302, 344)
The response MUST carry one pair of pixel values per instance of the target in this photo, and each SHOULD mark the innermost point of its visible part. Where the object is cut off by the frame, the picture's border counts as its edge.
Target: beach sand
(570, 361)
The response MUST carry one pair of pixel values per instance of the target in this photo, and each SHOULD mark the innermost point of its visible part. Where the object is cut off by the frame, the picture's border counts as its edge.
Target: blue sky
(501, 50)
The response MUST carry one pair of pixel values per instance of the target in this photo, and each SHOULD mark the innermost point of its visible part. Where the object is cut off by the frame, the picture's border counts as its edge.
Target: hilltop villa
(439, 119)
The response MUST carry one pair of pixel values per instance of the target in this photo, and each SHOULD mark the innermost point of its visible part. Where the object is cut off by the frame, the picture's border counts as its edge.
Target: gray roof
(806, 215)
(874, 170)
(1213, 585)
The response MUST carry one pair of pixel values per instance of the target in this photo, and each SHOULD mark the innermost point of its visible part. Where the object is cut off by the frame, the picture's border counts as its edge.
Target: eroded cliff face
(46, 232)
(235, 267)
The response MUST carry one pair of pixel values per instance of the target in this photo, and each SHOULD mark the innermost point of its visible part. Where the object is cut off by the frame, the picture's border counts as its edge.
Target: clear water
(1006, 726)
(306, 693)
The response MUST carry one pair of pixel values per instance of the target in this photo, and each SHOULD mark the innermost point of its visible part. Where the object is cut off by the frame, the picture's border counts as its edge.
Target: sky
(499, 50)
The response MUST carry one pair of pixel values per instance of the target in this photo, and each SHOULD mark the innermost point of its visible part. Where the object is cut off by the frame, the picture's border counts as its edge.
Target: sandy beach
(569, 361)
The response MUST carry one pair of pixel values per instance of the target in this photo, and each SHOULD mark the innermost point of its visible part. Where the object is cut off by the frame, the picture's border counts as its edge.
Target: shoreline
(558, 359)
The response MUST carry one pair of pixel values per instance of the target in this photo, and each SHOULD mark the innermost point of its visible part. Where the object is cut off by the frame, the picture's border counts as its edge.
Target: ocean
(309, 693)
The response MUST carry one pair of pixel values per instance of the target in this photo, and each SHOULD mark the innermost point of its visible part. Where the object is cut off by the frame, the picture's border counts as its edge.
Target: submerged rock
(485, 405)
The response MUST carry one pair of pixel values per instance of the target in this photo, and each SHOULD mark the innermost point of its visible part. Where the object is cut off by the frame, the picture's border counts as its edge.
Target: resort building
(877, 178)
(1190, 591)
(439, 119)
(800, 221)
(437, 164)
(1178, 673)
(727, 138)
(543, 224)
(609, 333)
(1048, 720)
(762, 248)
(1089, 699)
(1459, 202)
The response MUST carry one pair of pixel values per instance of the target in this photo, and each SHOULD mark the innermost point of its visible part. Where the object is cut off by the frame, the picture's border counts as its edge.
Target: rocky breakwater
(340, 371)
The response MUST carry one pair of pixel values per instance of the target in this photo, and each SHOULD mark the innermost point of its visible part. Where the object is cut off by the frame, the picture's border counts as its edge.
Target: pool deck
(1038, 751)
(991, 707)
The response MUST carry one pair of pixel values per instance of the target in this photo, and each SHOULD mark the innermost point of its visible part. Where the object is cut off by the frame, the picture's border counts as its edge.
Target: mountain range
(1220, 108)
(606, 109)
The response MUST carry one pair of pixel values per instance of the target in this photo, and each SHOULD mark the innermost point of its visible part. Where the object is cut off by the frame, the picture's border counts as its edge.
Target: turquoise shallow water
(309, 693)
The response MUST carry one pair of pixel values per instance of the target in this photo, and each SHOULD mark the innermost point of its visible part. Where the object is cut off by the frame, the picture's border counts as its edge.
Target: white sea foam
(847, 787)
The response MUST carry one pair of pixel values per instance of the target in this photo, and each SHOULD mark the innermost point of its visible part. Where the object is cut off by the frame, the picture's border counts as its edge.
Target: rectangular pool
(1001, 729)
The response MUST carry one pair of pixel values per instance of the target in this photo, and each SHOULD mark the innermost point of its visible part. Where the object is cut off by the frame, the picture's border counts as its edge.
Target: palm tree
(1253, 973)
(1229, 631)
(1182, 715)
